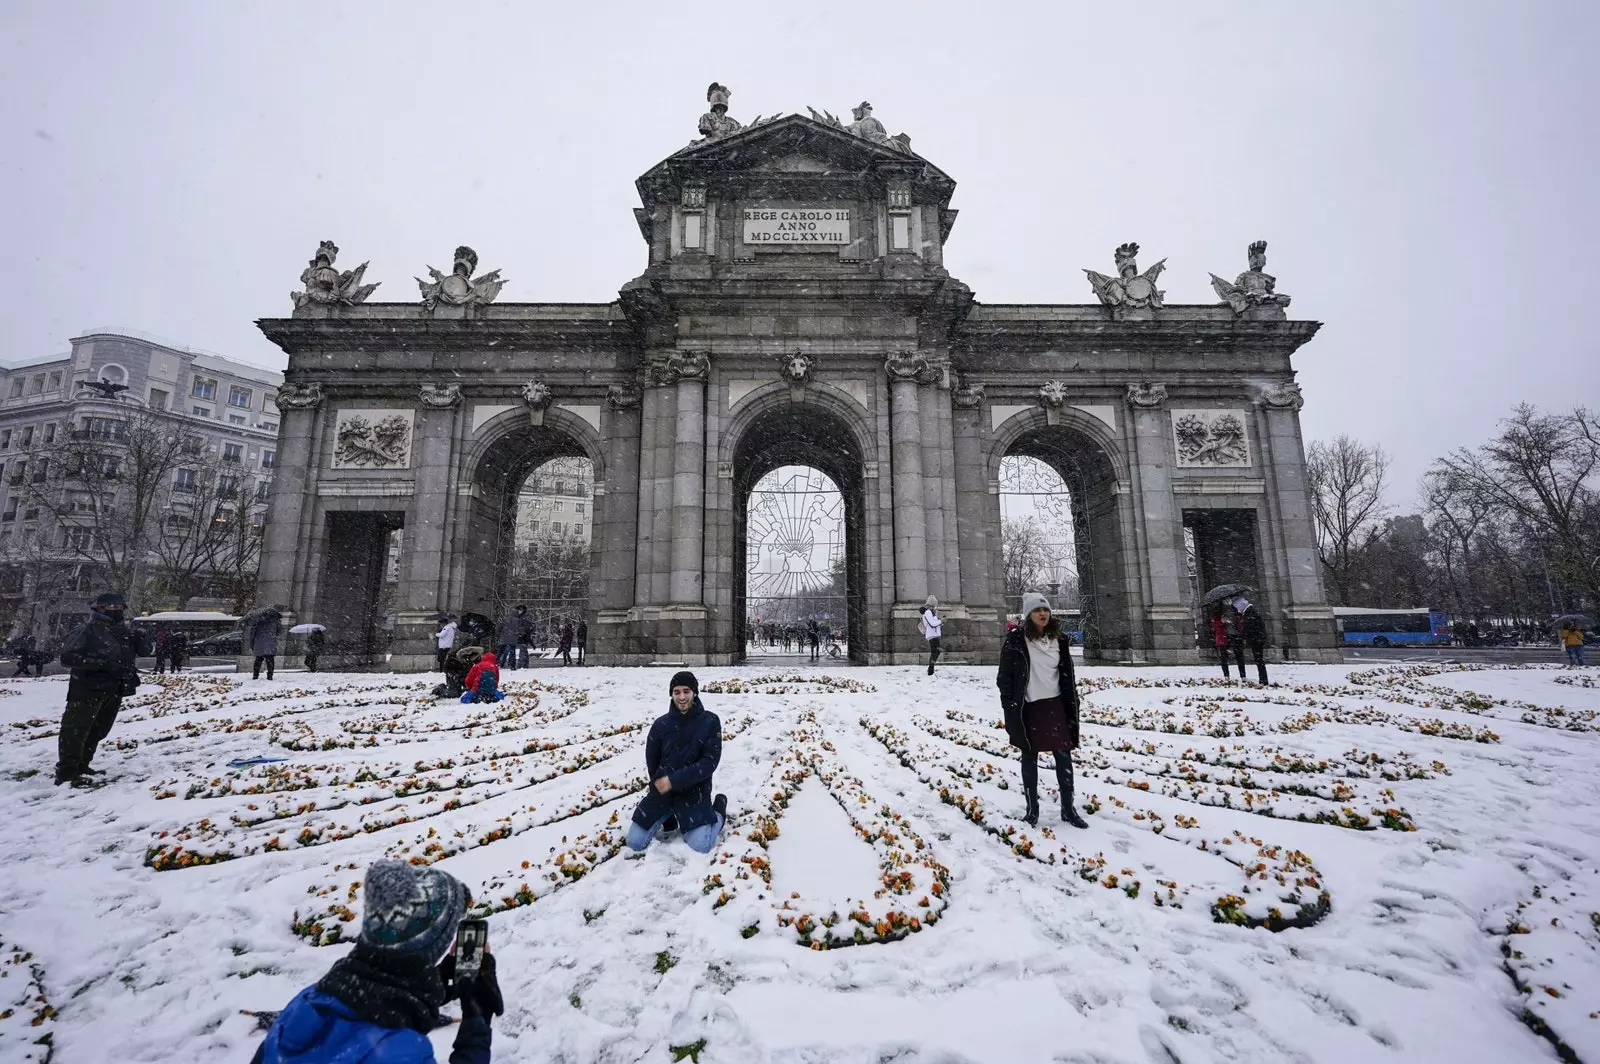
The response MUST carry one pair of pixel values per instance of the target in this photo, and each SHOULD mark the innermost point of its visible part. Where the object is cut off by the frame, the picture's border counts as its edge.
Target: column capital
(1282, 396)
(968, 395)
(680, 366)
(439, 396)
(299, 396)
(911, 367)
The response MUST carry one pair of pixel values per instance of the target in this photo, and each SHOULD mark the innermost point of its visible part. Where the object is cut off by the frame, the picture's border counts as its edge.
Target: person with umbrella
(1572, 625)
(314, 643)
(1219, 639)
(1252, 632)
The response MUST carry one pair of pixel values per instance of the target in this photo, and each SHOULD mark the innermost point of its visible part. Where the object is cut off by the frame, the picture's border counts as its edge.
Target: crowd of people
(792, 637)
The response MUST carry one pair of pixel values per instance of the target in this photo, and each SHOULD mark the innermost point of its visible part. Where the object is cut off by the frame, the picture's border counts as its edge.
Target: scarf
(383, 992)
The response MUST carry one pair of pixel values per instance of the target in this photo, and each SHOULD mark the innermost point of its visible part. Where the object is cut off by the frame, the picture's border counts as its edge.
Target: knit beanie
(110, 598)
(410, 912)
(1033, 601)
(684, 679)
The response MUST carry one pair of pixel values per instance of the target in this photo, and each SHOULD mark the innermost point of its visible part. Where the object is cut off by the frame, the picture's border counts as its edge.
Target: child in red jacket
(483, 681)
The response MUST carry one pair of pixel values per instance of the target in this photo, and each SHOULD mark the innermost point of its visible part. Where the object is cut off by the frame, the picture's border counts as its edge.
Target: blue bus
(1382, 628)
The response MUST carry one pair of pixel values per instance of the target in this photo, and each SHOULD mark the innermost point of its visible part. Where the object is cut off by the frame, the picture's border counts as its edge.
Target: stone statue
(1146, 395)
(796, 368)
(1252, 290)
(459, 288)
(1053, 394)
(326, 286)
(1130, 290)
(299, 396)
(968, 395)
(439, 396)
(537, 395)
(715, 123)
(865, 126)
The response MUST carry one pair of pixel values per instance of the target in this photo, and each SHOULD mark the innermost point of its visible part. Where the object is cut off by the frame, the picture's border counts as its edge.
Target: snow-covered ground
(1396, 864)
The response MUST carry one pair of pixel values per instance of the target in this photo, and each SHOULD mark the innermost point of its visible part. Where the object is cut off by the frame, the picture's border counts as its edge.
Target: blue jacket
(316, 1028)
(685, 748)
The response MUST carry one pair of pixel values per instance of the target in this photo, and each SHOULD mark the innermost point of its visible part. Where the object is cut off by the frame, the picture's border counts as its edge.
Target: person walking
(682, 754)
(445, 641)
(163, 648)
(513, 630)
(102, 655)
(178, 649)
(814, 637)
(314, 643)
(379, 1001)
(1219, 638)
(1572, 640)
(264, 645)
(1039, 697)
(1253, 633)
(583, 641)
(26, 650)
(932, 629)
(565, 645)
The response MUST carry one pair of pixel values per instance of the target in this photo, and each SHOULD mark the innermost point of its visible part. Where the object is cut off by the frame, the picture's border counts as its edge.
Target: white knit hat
(1033, 601)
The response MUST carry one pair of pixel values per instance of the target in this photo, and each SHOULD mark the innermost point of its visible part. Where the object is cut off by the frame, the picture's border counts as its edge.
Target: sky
(1424, 172)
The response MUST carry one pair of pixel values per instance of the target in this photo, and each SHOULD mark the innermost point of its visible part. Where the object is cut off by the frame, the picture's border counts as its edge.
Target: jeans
(699, 839)
(1575, 654)
(1222, 655)
(507, 656)
(1258, 652)
(933, 653)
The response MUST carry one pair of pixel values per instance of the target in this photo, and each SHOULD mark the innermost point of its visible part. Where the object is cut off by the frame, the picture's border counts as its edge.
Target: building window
(80, 539)
(577, 530)
(270, 426)
(158, 399)
(204, 388)
(27, 436)
(269, 459)
(38, 385)
(239, 397)
(200, 411)
(900, 231)
(263, 490)
(17, 386)
(50, 433)
(269, 401)
(559, 506)
(185, 481)
(55, 381)
(112, 467)
(19, 473)
(5, 439)
(578, 507)
(227, 487)
(237, 419)
(233, 452)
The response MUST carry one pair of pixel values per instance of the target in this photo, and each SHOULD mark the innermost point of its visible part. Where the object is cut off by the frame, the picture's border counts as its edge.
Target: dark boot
(1064, 780)
(720, 804)
(1031, 814)
(65, 776)
(1030, 787)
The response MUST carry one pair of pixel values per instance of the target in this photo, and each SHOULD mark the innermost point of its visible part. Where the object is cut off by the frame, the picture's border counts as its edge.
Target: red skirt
(1048, 724)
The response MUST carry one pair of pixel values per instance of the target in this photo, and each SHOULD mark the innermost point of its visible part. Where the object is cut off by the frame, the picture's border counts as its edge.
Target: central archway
(802, 436)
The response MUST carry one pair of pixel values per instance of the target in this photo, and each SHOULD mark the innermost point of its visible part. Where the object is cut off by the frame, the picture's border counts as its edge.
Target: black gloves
(479, 994)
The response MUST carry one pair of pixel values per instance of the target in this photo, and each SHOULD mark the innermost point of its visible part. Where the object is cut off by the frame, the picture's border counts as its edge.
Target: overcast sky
(1425, 172)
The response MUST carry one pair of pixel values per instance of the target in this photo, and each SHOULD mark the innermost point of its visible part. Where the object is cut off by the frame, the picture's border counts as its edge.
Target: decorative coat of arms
(1130, 290)
(1053, 394)
(460, 288)
(373, 439)
(299, 396)
(326, 286)
(1210, 438)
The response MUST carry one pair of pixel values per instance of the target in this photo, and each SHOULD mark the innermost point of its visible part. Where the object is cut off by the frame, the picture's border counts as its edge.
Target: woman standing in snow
(932, 629)
(1040, 699)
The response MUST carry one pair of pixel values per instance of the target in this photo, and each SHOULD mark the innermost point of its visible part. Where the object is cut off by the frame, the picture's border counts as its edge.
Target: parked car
(225, 645)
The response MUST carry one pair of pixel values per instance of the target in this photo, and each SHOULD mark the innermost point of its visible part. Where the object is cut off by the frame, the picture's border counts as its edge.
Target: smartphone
(472, 938)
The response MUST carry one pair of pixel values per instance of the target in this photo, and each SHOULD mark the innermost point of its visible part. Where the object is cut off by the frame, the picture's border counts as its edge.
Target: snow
(1436, 830)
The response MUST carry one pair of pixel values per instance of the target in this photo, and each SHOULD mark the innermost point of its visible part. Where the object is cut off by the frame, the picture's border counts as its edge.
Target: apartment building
(224, 409)
(556, 502)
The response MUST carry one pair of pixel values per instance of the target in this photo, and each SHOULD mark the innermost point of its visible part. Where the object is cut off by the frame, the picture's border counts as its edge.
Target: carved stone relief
(441, 396)
(968, 395)
(623, 397)
(299, 396)
(1053, 394)
(536, 395)
(326, 286)
(797, 368)
(1210, 438)
(1284, 396)
(1146, 395)
(373, 439)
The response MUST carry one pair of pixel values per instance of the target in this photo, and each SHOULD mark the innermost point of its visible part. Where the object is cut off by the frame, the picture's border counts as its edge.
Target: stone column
(688, 480)
(976, 509)
(1169, 622)
(934, 470)
(422, 573)
(1307, 624)
(906, 369)
(294, 487)
(617, 508)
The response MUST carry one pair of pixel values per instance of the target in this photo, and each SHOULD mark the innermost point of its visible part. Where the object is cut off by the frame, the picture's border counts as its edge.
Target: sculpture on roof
(460, 288)
(1130, 293)
(716, 122)
(865, 126)
(1253, 290)
(326, 286)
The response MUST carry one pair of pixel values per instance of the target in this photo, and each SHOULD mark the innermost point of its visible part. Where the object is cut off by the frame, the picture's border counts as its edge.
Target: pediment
(795, 163)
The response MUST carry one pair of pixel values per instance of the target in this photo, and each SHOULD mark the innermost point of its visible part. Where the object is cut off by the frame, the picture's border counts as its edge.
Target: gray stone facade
(744, 346)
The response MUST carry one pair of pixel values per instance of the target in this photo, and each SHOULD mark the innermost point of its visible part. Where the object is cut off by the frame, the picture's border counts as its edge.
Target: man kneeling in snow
(682, 752)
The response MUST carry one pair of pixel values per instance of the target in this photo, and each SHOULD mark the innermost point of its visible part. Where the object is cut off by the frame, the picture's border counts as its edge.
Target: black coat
(686, 748)
(1012, 679)
(101, 655)
(1253, 627)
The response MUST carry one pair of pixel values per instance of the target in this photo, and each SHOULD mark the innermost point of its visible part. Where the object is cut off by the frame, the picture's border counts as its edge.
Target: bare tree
(34, 575)
(1458, 516)
(1025, 557)
(1347, 486)
(1540, 471)
(107, 484)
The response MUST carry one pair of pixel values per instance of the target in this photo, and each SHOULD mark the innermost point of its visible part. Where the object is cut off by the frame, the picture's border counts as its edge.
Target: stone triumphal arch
(794, 310)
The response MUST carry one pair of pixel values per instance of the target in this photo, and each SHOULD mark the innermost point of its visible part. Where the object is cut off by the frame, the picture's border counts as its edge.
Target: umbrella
(476, 628)
(302, 629)
(1224, 591)
(1574, 620)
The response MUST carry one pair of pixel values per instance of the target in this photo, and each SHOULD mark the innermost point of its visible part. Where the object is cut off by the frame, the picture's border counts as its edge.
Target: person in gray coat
(264, 645)
(513, 630)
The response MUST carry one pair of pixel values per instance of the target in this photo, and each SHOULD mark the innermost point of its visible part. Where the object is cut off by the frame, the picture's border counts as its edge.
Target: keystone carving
(1146, 395)
(440, 396)
(968, 395)
(326, 286)
(1053, 394)
(537, 395)
(1283, 396)
(299, 396)
(796, 368)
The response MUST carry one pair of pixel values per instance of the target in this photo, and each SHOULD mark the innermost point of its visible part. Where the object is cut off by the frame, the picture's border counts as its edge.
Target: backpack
(487, 679)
